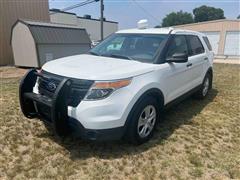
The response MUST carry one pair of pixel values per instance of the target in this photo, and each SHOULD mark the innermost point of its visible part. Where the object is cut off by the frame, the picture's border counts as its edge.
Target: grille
(48, 82)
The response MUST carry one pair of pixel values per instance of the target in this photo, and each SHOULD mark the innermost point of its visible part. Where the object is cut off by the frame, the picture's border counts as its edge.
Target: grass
(196, 139)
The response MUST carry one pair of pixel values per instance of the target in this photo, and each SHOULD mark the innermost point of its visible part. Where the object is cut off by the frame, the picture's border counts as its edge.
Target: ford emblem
(51, 86)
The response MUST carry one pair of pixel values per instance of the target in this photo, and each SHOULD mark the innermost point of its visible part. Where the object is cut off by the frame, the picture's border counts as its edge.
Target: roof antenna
(142, 24)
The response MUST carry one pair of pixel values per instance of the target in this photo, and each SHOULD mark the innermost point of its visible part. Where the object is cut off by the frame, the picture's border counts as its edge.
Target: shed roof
(53, 33)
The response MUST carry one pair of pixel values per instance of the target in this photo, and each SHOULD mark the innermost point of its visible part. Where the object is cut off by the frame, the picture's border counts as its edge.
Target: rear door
(197, 56)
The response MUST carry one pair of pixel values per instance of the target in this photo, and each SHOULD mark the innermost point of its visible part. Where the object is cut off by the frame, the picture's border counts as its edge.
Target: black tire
(204, 89)
(132, 133)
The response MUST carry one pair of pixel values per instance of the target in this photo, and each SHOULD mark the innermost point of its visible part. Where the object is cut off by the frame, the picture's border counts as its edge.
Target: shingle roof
(52, 33)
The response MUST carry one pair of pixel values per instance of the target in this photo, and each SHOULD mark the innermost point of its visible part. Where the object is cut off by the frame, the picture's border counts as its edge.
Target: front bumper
(54, 111)
(95, 134)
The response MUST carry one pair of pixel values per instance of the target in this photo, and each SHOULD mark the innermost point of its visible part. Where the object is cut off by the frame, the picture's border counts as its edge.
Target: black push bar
(29, 101)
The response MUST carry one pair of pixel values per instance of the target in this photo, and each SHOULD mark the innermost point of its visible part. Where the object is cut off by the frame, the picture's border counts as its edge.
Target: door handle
(189, 64)
(205, 59)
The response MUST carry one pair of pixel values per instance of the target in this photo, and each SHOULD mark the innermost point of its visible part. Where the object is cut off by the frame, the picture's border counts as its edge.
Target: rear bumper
(54, 110)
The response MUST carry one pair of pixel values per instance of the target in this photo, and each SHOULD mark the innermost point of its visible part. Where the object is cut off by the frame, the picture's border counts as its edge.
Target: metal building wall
(10, 11)
(91, 25)
(63, 18)
(93, 28)
(222, 26)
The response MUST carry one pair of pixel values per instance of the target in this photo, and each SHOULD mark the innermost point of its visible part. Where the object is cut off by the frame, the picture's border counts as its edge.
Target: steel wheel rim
(146, 121)
(205, 86)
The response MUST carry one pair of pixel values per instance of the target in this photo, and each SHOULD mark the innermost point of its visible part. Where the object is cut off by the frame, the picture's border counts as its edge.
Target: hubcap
(146, 121)
(205, 86)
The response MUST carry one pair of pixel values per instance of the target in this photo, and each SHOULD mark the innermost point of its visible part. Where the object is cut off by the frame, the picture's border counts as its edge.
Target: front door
(176, 76)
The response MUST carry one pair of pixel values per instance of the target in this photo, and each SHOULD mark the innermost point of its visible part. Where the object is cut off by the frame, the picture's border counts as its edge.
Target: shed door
(232, 43)
(214, 40)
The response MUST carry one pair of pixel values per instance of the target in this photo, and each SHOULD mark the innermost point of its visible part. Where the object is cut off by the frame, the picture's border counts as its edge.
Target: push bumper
(54, 111)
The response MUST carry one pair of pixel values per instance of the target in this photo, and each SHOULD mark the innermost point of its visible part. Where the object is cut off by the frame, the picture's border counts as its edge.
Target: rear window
(208, 43)
(195, 44)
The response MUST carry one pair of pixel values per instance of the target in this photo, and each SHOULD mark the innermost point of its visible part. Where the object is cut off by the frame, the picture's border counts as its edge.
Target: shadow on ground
(173, 118)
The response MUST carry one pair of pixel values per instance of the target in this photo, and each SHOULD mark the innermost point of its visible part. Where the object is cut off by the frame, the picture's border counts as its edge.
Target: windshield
(139, 47)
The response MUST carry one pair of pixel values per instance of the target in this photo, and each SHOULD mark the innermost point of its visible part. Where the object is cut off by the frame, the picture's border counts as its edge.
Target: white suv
(120, 87)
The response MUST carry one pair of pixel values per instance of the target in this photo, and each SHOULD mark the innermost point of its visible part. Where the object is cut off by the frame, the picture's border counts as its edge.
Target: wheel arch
(153, 92)
(210, 71)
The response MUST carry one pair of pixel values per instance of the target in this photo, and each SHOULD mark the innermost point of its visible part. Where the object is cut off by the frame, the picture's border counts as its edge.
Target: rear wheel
(205, 87)
(142, 121)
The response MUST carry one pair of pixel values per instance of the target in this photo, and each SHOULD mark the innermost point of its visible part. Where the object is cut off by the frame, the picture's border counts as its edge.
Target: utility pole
(102, 9)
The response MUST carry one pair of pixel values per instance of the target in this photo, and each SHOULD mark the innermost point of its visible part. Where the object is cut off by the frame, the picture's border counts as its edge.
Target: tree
(207, 13)
(238, 16)
(177, 18)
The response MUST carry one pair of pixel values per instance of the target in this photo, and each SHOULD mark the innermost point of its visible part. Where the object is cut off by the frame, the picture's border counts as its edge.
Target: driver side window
(177, 45)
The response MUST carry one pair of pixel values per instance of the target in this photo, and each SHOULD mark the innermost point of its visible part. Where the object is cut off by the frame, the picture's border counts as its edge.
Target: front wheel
(142, 121)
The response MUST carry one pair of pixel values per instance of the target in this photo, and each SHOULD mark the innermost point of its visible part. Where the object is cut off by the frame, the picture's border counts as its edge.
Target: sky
(129, 12)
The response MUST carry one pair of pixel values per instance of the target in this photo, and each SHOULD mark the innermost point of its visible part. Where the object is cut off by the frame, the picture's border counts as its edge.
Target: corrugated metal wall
(221, 26)
(10, 11)
(91, 25)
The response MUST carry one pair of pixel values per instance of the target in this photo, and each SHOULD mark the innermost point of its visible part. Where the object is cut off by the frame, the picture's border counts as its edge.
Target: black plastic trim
(210, 71)
(79, 87)
(95, 134)
(39, 98)
(59, 110)
(161, 57)
(26, 86)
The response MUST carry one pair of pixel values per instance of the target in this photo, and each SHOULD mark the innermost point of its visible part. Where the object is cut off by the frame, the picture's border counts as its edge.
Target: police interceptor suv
(119, 87)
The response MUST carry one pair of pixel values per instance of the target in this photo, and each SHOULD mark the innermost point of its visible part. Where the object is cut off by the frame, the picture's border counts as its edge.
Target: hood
(96, 67)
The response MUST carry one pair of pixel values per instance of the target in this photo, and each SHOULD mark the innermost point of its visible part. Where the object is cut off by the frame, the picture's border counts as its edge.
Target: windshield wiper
(111, 55)
(118, 56)
(93, 53)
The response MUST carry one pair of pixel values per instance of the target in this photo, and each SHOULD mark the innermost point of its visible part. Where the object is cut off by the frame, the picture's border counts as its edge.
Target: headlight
(102, 89)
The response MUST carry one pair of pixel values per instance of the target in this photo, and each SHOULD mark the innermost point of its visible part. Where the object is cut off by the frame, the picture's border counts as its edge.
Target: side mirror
(178, 58)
